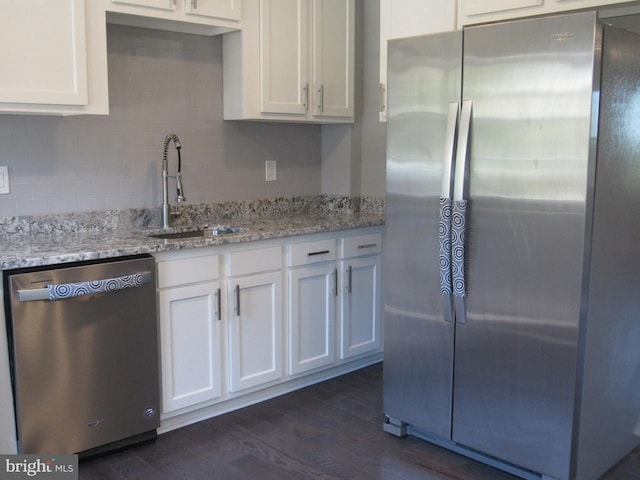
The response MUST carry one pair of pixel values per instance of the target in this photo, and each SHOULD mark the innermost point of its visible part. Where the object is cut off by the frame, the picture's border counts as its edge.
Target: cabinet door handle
(335, 282)
(383, 107)
(305, 91)
(238, 300)
(321, 102)
(320, 252)
(218, 305)
(194, 4)
(349, 278)
(367, 245)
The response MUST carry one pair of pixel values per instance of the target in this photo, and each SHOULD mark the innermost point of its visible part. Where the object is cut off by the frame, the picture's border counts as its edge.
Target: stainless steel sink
(206, 231)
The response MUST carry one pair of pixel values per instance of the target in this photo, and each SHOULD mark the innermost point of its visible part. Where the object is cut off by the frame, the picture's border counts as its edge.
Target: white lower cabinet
(222, 319)
(313, 285)
(190, 331)
(360, 298)
(254, 291)
(317, 282)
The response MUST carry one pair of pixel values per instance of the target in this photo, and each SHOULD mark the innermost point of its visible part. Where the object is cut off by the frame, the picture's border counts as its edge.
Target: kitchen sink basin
(207, 231)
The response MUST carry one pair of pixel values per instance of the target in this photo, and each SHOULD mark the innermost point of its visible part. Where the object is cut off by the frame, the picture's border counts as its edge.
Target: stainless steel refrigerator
(512, 244)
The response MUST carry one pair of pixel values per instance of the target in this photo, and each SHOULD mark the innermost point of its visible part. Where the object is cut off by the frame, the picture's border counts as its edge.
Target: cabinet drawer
(361, 245)
(312, 252)
(255, 261)
(187, 270)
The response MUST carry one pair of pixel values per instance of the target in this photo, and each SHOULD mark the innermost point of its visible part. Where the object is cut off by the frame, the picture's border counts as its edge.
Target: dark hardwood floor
(332, 430)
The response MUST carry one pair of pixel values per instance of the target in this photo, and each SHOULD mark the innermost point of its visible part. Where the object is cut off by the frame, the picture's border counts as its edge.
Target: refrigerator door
(529, 172)
(610, 406)
(424, 87)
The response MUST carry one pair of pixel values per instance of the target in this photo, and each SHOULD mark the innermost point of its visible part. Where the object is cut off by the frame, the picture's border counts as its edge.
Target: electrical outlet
(270, 170)
(4, 180)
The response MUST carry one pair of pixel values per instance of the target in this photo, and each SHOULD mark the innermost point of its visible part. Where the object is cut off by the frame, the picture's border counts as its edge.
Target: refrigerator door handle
(449, 150)
(461, 151)
(444, 220)
(459, 212)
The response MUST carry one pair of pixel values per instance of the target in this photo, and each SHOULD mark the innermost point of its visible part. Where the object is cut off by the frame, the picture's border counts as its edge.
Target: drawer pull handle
(238, 300)
(218, 305)
(320, 252)
(367, 245)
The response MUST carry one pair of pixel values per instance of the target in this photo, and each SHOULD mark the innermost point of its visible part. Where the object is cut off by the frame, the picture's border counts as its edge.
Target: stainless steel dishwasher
(84, 355)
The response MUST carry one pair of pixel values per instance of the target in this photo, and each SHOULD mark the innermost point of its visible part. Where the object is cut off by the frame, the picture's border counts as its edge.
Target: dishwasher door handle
(70, 290)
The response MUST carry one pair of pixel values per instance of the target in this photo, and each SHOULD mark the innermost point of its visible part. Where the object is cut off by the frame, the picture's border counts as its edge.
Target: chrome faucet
(166, 208)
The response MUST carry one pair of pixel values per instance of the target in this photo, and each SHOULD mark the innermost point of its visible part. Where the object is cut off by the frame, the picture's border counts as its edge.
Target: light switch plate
(4, 180)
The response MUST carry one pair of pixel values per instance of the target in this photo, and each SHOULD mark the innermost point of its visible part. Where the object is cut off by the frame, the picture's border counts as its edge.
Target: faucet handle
(180, 188)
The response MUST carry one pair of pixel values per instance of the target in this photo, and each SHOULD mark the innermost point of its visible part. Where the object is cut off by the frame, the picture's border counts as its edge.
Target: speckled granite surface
(48, 239)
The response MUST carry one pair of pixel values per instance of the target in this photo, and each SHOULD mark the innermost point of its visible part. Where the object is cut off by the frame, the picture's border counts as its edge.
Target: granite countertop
(51, 246)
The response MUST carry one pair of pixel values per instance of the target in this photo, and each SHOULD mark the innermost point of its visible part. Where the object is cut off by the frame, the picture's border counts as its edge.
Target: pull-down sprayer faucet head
(176, 142)
(165, 178)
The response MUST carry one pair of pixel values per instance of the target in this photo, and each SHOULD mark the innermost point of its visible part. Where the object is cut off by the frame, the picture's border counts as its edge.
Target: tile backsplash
(158, 82)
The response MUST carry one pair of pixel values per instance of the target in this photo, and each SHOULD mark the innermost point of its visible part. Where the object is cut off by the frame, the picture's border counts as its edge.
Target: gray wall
(373, 139)
(354, 156)
(158, 82)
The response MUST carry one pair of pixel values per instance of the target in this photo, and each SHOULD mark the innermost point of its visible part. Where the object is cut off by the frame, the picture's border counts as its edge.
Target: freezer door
(424, 86)
(529, 172)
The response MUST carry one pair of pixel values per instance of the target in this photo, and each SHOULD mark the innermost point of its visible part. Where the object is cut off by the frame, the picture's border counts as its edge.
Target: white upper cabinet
(159, 4)
(203, 17)
(293, 61)
(54, 57)
(284, 56)
(333, 58)
(481, 11)
(254, 291)
(228, 9)
(406, 18)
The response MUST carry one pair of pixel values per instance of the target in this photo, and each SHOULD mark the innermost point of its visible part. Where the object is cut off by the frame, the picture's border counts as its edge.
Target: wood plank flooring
(328, 431)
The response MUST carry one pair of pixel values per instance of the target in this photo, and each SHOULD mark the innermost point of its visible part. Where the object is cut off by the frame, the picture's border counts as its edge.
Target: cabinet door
(481, 11)
(255, 330)
(478, 7)
(160, 4)
(312, 312)
(44, 55)
(228, 9)
(333, 57)
(191, 345)
(284, 50)
(360, 306)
